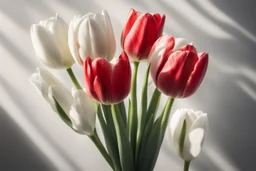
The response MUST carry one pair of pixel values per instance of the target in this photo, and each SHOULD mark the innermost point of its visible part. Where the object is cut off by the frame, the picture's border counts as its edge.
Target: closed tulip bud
(50, 41)
(177, 74)
(187, 131)
(140, 33)
(42, 80)
(78, 107)
(107, 83)
(91, 35)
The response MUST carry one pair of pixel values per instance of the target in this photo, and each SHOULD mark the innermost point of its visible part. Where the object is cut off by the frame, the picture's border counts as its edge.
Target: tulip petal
(121, 79)
(91, 39)
(45, 47)
(89, 78)
(62, 95)
(110, 36)
(141, 37)
(197, 75)
(73, 38)
(82, 113)
(102, 69)
(133, 15)
(173, 77)
(159, 54)
(195, 138)
(175, 126)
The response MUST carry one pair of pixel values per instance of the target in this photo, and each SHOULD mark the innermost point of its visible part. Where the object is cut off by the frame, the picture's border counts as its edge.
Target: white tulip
(91, 35)
(42, 81)
(78, 107)
(179, 42)
(50, 41)
(82, 113)
(189, 145)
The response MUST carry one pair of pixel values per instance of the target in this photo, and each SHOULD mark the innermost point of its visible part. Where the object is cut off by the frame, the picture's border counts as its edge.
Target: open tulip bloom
(133, 134)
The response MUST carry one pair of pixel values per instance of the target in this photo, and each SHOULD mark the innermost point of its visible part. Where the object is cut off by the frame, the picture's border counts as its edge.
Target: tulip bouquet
(132, 133)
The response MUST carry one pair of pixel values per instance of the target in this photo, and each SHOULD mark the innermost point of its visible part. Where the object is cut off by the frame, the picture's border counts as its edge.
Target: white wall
(34, 138)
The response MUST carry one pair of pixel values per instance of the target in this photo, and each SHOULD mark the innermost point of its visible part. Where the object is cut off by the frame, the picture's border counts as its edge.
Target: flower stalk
(186, 165)
(96, 140)
(133, 116)
(73, 78)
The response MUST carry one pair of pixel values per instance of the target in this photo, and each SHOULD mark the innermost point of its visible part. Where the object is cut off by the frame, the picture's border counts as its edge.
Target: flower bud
(50, 41)
(78, 108)
(176, 74)
(140, 33)
(107, 83)
(187, 131)
(91, 35)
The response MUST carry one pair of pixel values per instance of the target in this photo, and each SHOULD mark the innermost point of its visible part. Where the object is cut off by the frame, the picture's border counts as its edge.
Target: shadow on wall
(17, 151)
(19, 102)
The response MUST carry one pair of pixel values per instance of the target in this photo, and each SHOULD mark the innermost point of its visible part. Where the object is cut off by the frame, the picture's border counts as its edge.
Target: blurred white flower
(50, 41)
(188, 130)
(91, 35)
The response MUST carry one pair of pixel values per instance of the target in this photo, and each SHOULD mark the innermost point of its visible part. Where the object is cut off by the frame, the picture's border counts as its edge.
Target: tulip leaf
(182, 137)
(123, 112)
(149, 156)
(125, 149)
(154, 104)
(109, 140)
(62, 113)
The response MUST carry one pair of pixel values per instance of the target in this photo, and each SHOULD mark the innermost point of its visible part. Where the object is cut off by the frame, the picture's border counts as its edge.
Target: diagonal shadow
(19, 102)
(17, 151)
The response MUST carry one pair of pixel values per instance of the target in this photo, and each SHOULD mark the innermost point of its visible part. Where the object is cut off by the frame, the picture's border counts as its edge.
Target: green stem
(186, 165)
(96, 140)
(73, 78)
(133, 116)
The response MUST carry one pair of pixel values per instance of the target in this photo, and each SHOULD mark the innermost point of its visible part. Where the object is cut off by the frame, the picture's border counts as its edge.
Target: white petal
(179, 42)
(92, 40)
(175, 126)
(45, 47)
(194, 138)
(156, 55)
(73, 38)
(110, 35)
(82, 113)
(62, 95)
(59, 29)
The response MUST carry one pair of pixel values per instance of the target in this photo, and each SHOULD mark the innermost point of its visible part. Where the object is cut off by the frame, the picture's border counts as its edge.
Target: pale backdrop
(32, 137)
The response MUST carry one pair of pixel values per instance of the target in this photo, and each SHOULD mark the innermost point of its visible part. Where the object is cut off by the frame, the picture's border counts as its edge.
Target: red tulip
(177, 74)
(105, 82)
(140, 33)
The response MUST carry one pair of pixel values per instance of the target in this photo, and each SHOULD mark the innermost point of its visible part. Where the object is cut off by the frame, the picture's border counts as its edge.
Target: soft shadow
(19, 102)
(17, 151)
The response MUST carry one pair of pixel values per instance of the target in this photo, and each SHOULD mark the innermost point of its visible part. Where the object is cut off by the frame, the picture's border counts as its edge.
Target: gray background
(32, 137)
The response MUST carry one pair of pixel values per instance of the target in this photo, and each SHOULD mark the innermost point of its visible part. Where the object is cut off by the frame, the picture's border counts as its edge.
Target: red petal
(175, 73)
(161, 26)
(166, 43)
(133, 15)
(97, 85)
(141, 37)
(89, 77)
(188, 48)
(197, 75)
(103, 70)
(121, 79)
